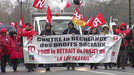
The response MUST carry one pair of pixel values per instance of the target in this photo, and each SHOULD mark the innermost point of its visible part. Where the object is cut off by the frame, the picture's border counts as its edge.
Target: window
(42, 24)
(57, 25)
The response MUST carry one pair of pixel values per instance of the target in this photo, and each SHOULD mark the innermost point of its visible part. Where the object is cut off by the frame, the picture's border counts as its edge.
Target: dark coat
(70, 31)
(47, 32)
(130, 35)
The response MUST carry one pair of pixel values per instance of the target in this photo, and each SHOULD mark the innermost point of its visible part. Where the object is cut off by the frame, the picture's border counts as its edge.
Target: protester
(46, 32)
(71, 30)
(131, 46)
(105, 28)
(123, 32)
(93, 31)
(114, 27)
(28, 32)
(7, 50)
(13, 34)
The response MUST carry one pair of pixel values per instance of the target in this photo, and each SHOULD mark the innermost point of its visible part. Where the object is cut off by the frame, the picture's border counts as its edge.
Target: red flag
(14, 24)
(99, 20)
(39, 4)
(21, 24)
(90, 22)
(49, 16)
(78, 18)
(78, 15)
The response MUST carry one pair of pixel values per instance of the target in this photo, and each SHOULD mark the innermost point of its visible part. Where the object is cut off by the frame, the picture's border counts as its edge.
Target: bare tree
(116, 8)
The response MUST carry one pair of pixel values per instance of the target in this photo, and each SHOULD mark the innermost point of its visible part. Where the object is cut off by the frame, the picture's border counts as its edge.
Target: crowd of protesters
(11, 45)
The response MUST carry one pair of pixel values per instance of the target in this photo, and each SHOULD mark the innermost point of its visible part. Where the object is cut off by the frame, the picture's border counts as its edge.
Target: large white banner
(72, 49)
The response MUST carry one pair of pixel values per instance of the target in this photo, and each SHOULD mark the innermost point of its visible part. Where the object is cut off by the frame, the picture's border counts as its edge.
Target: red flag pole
(49, 15)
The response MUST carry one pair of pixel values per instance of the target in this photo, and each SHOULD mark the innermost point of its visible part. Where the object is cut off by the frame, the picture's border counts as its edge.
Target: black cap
(28, 24)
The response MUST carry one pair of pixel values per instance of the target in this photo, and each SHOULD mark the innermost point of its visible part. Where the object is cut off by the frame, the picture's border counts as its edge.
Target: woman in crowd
(105, 32)
(94, 31)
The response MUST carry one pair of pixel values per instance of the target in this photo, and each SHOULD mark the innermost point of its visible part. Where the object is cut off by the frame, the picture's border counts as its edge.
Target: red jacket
(124, 33)
(7, 45)
(18, 49)
(26, 33)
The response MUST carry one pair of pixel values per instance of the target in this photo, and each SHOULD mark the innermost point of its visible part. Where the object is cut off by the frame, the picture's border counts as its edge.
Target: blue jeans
(47, 65)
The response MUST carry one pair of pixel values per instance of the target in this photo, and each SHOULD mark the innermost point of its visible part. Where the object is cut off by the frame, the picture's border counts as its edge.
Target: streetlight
(20, 2)
(62, 10)
(130, 22)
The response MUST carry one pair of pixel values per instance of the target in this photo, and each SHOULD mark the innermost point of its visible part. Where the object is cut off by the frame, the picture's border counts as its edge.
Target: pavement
(84, 70)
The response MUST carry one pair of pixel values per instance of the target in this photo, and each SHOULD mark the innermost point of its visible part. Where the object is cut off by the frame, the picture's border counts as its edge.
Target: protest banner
(72, 49)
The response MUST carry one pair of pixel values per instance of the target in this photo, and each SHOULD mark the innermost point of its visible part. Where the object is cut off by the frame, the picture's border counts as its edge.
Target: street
(85, 70)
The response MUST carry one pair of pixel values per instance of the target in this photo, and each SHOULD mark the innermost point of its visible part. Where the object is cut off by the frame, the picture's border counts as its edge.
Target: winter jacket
(124, 32)
(7, 47)
(6, 41)
(70, 31)
(104, 32)
(27, 33)
(18, 49)
(130, 37)
(131, 34)
(47, 32)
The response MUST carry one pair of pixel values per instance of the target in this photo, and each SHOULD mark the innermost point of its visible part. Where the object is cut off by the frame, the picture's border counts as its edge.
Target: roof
(53, 14)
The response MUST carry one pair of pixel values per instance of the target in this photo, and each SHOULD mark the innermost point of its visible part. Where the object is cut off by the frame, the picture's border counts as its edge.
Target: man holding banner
(45, 32)
(71, 30)
(28, 32)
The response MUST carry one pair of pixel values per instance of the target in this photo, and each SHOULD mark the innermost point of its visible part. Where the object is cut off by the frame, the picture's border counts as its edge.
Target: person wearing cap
(28, 32)
(6, 50)
(105, 28)
(46, 32)
(122, 58)
(71, 30)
